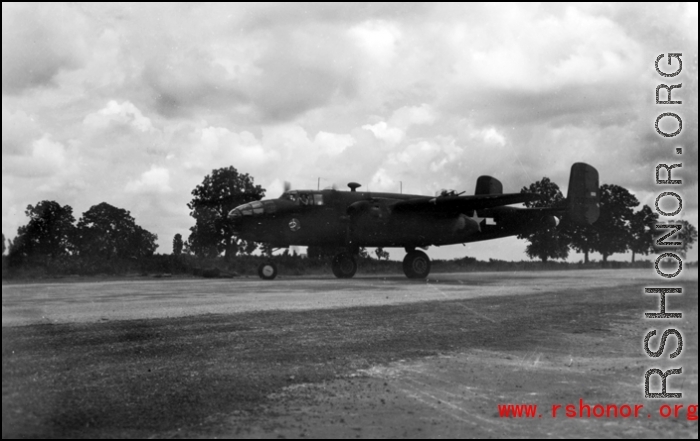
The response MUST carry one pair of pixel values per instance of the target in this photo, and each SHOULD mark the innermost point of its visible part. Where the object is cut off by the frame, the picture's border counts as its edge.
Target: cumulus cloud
(182, 83)
(19, 130)
(400, 121)
(37, 42)
(157, 180)
(119, 113)
(47, 158)
(218, 145)
(381, 130)
(332, 143)
(413, 115)
(378, 39)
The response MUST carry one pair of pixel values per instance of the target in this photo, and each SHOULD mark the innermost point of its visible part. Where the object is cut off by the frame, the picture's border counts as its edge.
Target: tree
(266, 249)
(642, 231)
(142, 243)
(549, 242)
(381, 254)
(687, 236)
(203, 238)
(187, 248)
(177, 244)
(49, 232)
(107, 232)
(582, 237)
(219, 193)
(321, 253)
(614, 234)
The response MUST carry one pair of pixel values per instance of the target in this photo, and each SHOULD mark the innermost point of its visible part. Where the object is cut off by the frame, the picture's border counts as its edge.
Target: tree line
(103, 233)
(106, 233)
(108, 239)
(618, 229)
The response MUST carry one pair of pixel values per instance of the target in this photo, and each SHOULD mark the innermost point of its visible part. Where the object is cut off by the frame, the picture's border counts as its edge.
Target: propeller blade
(287, 186)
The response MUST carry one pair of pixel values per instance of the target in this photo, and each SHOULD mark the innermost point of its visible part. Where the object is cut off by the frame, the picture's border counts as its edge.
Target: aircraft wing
(461, 204)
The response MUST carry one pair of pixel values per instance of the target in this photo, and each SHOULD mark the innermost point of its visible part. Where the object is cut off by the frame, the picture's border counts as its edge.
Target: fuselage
(332, 218)
(350, 220)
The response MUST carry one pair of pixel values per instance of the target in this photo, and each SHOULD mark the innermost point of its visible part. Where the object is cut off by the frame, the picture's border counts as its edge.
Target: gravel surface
(369, 357)
(88, 301)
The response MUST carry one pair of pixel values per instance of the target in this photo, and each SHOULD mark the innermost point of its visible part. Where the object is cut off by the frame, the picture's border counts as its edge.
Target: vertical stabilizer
(488, 185)
(583, 197)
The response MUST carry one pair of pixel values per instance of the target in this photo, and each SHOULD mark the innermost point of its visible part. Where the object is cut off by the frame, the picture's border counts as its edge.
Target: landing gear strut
(416, 265)
(344, 266)
(267, 270)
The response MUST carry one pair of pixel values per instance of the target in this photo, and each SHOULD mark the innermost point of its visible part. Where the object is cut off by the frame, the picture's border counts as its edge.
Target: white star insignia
(478, 220)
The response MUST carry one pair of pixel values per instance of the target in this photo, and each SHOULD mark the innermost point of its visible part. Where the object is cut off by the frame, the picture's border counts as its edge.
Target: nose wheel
(267, 270)
(416, 265)
(344, 266)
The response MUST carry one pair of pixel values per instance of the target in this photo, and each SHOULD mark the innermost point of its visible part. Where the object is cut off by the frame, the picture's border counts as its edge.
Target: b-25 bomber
(349, 220)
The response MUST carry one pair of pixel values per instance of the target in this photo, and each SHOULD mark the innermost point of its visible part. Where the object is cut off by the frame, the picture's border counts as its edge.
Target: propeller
(287, 187)
(353, 213)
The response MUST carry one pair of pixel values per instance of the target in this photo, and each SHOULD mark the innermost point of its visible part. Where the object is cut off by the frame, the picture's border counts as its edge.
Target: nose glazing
(253, 209)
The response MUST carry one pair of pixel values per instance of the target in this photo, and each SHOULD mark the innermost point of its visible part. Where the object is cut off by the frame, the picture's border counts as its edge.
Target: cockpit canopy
(295, 197)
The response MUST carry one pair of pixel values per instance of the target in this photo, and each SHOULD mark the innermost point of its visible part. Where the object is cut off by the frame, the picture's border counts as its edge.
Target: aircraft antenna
(318, 186)
(401, 186)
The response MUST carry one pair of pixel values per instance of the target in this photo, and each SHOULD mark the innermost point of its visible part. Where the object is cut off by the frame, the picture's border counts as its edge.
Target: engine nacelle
(550, 221)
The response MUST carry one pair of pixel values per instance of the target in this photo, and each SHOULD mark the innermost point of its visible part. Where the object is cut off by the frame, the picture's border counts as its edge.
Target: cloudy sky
(133, 104)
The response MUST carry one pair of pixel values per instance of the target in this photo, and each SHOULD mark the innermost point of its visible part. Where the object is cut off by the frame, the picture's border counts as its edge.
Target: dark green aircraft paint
(352, 219)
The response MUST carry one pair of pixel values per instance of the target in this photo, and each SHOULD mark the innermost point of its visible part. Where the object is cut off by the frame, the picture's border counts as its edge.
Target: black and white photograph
(349, 220)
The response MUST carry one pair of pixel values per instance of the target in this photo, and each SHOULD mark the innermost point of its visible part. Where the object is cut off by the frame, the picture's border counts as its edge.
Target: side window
(246, 210)
(257, 207)
(305, 199)
(318, 199)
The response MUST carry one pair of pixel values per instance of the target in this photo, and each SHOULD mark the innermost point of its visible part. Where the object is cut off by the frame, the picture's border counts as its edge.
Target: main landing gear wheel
(344, 266)
(416, 265)
(267, 270)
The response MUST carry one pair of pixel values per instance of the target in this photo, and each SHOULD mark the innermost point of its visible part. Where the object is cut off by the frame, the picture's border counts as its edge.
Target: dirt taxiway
(90, 301)
(317, 357)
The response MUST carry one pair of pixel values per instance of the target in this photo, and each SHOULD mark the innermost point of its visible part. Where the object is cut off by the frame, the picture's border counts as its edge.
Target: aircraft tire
(416, 265)
(267, 270)
(344, 266)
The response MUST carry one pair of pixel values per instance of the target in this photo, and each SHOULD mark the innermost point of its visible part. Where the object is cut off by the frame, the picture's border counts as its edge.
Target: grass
(242, 265)
(142, 378)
